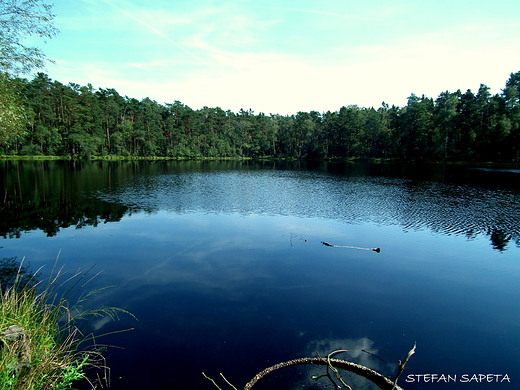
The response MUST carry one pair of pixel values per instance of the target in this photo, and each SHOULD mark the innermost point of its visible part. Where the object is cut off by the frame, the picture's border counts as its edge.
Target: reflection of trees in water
(50, 195)
(500, 239)
(53, 215)
(12, 273)
(444, 199)
(462, 210)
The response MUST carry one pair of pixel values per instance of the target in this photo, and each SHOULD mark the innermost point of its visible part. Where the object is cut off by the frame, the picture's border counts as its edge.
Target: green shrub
(41, 345)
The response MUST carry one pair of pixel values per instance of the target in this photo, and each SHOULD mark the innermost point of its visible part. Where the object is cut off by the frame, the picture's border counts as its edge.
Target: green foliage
(19, 20)
(41, 345)
(78, 121)
(13, 120)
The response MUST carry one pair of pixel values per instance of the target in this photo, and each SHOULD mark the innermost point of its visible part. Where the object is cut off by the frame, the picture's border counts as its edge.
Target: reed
(43, 344)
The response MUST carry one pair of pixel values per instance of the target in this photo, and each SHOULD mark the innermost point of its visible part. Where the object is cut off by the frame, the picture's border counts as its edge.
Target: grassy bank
(41, 346)
(32, 356)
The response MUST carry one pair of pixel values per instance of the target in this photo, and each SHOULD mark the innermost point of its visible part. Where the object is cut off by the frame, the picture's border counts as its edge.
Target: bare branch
(351, 247)
(379, 380)
(402, 364)
(335, 370)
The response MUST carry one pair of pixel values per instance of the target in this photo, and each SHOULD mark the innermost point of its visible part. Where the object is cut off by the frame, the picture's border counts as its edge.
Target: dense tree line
(75, 120)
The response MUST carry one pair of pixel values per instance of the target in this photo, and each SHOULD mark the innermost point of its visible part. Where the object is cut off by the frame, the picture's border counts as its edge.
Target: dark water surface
(222, 264)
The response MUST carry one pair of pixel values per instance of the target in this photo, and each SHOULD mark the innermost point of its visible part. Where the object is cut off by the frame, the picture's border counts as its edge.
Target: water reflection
(448, 200)
(14, 274)
(222, 263)
(360, 351)
(440, 207)
(49, 196)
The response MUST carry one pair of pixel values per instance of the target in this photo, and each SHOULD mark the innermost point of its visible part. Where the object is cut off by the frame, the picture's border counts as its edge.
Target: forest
(82, 121)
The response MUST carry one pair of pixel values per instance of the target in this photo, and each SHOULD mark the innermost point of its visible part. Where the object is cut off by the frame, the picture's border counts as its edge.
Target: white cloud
(100, 323)
(234, 56)
(356, 354)
(355, 347)
(319, 12)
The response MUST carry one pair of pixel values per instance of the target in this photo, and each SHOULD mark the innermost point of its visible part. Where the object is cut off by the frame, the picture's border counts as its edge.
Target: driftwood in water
(379, 380)
(375, 377)
(352, 247)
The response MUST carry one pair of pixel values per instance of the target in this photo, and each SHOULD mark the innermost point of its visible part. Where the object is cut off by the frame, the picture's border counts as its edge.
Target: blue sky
(285, 56)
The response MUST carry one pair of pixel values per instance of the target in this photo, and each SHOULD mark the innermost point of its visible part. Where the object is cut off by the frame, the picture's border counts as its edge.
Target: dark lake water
(223, 266)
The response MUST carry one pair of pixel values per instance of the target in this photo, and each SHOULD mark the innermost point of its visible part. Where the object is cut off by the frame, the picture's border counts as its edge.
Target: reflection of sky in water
(440, 207)
(234, 283)
(264, 288)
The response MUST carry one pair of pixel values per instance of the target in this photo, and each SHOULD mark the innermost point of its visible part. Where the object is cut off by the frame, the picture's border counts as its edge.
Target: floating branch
(352, 247)
(375, 377)
(378, 379)
(401, 365)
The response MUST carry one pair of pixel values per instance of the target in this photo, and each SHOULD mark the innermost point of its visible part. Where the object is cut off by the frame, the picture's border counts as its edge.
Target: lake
(223, 265)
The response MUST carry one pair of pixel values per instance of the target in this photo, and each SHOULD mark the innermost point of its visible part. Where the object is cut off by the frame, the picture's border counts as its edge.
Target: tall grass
(42, 345)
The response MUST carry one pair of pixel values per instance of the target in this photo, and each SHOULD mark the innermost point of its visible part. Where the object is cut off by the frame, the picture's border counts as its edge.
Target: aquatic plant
(42, 340)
